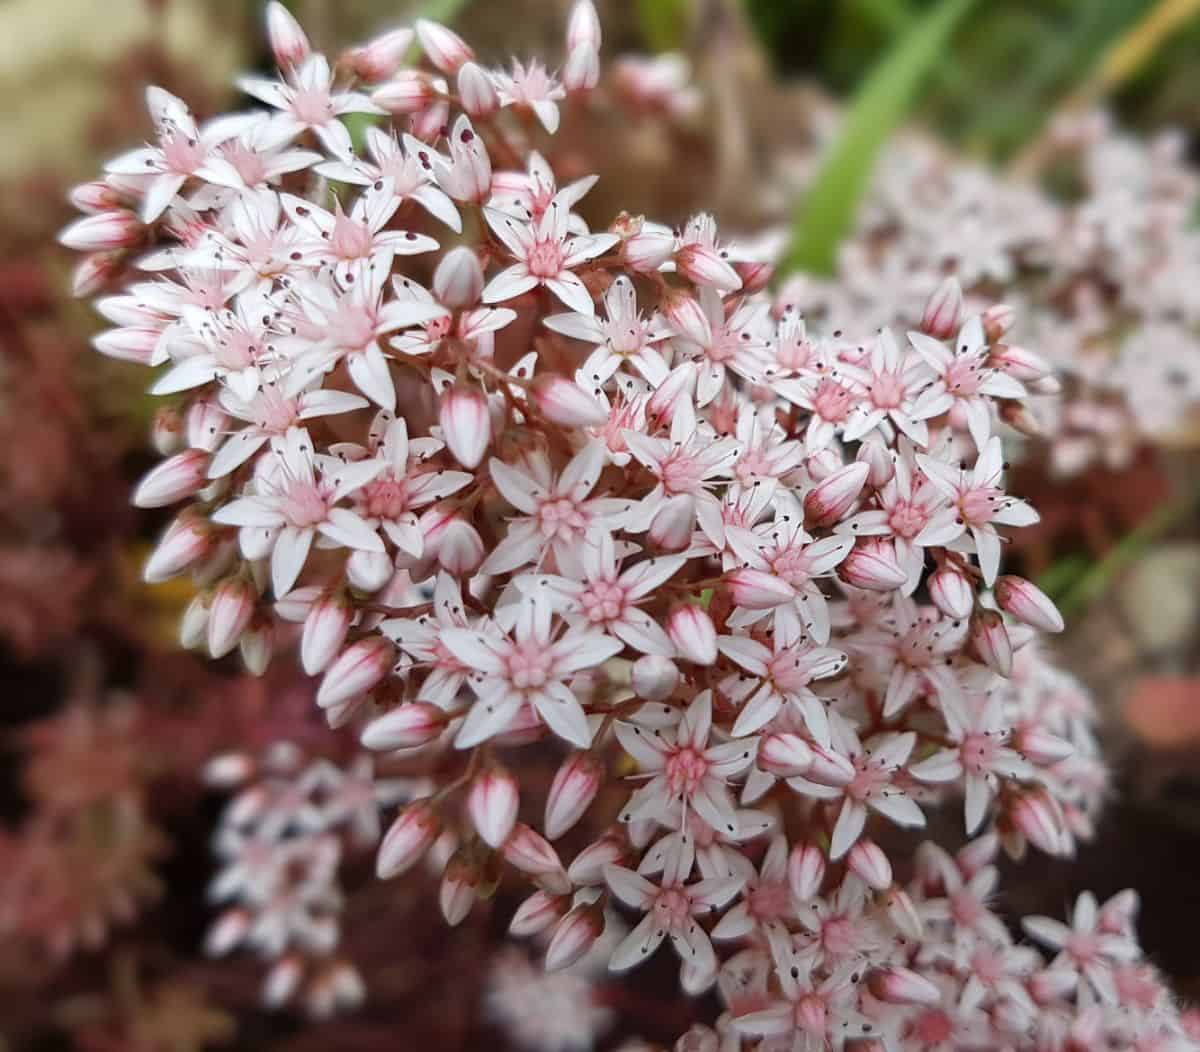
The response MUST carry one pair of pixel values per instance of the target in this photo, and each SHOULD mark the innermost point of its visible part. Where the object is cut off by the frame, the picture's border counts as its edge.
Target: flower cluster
(517, 486)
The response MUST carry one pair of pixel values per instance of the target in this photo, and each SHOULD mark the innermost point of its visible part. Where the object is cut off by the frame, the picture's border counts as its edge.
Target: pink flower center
(769, 899)
(386, 497)
(351, 239)
(604, 601)
(933, 1027)
(978, 753)
(832, 401)
(673, 908)
(793, 566)
(686, 769)
(838, 936)
(312, 106)
(561, 519)
(887, 392)
(978, 505)
(681, 473)
(907, 520)
(812, 1014)
(352, 325)
(182, 155)
(545, 259)
(962, 378)
(529, 665)
(870, 780)
(304, 504)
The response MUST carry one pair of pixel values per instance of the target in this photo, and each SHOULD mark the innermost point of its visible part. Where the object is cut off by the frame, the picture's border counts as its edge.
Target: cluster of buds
(514, 486)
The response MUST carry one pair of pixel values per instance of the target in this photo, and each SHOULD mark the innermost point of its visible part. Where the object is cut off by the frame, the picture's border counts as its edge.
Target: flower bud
(654, 677)
(460, 549)
(257, 645)
(96, 197)
(823, 463)
(648, 250)
(784, 755)
(903, 914)
(757, 589)
(380, 58)
(677, 386)
(174, 479)
(289, 43)
(943, 310)
(830, 768)
(325, 627)
(880, 466)
(410, 836)
(409, 726)
(1019, 418)
(368, 571)
(997, 320)
(1027, 603)
(692, 632)
(193, 626)
(442, 46)
(564, 402)
(228, 615)
(537, 913)
(477, 92)
(704, 266)
(1038, 819)
(458, 280)
(456, 894)
(583, 26)
(1019, 363)
(130, 343)
(282, 981)
(587, 868)
(104, 232)
(873, 565)
(466, 424)
(581, 71)
(755, 274)
(96, 272)
(1040, 746)
(359, 668)
(492, 804)
(901, 986)
(990, 642)
(575, 934)
(806, 871)
(575, 785)
(206, 424)
(951, 592)
(187, 541)
(828, 502)
(229, 930)
(531, 853)
(409, 92)
(867, 861)
(671, 527)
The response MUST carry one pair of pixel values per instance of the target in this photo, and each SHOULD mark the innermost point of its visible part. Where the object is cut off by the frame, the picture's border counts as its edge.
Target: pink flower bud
(648, 250)
(575, 934)
(583, 26)
(466, 424)
(1040, 746)
(828, 502)
(990, 642)
(409, 92)
(873, 565)
(193, 626)
(757, 589)
(458, 280)
(531, 853)
(380, 58)
(1019, 418)
(429, 124)
(206, 425)
(575, 785)
(1036, 816)
(704, 266)
(289, 43)
(187, 540)
(901, 986)
(257, 645)
(456, 894)
(755, 275)
(823, 463)
(460, 549)
(676, 387)
(880, 465)
(581, 71)
(806, 871)
(369, 571)
(95, 197)
(409, 726)
(359, 667)
(442, 46)
(410, 836)
(671, 527)
(654, 677)
(588, 867)
(229, 930)
(492, 804)
(181, 476)
(119, 228)
(325, 628)
(692, 632)
(1019, 363)
(952, 593)
(96, 272)
(228, 615)
(537, 913)
(477, 92)
(903, 914)
(997, 320)
(830, 768)
(130, 343)
(868, 862)
(784, 755)
(943, 310)
(1028, 603)
(565, 403)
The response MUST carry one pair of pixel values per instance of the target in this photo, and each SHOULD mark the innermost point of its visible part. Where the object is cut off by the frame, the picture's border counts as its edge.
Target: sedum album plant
(512, 487)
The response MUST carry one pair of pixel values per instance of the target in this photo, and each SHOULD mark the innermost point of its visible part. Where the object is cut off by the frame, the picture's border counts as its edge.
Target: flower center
(603, 601)
(561, 519)
(304, 504)
(907, 520)
(529, 665)
(685, 770)
(545, 259)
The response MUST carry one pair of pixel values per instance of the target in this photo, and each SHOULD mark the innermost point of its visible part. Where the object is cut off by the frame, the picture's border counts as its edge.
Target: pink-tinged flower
(784, 755)
(779, 675)
(943, 310)
(410, 836)
(187, 541)
(979, 731)
(621, 337)
(414, 93)
(528, 665)
(671, 909)
(442, 46)
(380, 58)
(829, 501)
(467, 174)
(903, 986)
(531, 86)
(556, 511)
(575, 785)
(289, 42)
(114, 229)
(965, 385)
(1028, 603)
(868, 861)
(990, 642)
(476, 92)
(980, 502)
(660, 82)
(325, 629)
(654, 677)
(873, 565)
(1083, 948)
(229, 614)
(951, 591)
(830, 396)
(891, 381)
(546, 255)
(182, 149)
(766, 902)
(700, 258)
(602, 597)
(806, 871)
(355, 671)
(876, 784)
(249, 160)
(298, 493)
(684, 768)
(565, 403)
(457, 285)
(465, 423)
(739, 342)
(406, 171)
(306, 101)
(532, 853)
(692, 634)
(540, 911)
(574, 936)
(174, 479)
(581, 71)
(764, 458)
(492, 803)
(410, 726)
